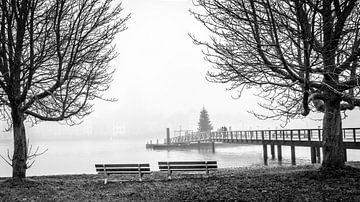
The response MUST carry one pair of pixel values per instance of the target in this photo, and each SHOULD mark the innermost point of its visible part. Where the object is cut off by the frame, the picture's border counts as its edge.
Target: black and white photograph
(180, 100)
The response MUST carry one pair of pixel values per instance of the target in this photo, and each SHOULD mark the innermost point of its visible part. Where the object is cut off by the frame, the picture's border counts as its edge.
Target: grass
(286, 183)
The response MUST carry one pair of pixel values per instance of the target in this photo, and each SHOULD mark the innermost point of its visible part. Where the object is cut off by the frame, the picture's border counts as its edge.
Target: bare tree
(54, 60)
(301, 55)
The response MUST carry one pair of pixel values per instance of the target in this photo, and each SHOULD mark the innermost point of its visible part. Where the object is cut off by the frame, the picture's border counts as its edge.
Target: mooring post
(272, 149)
(269, 134)
(313, 154)
(168, 136)
(279, 154)
(354, 135)
(318, 157)
(293, 161)
(265, 154)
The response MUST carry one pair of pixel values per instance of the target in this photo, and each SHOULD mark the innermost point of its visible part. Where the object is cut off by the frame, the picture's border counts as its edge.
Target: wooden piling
(272, 150)
(354, 134)
(279, 152)
(265, 154)
(168, 136)
(293, 161)
(313, 154)
(318, 155)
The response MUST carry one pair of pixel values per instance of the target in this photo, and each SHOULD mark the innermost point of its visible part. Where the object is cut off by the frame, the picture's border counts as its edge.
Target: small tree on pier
(54, 60)
(204, 121)
(300, 55)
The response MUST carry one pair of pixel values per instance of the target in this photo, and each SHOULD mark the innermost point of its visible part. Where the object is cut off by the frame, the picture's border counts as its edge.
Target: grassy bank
(298, 183)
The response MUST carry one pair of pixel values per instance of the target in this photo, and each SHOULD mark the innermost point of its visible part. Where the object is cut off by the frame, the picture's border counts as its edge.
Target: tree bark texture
(333, 146)
(20, 147)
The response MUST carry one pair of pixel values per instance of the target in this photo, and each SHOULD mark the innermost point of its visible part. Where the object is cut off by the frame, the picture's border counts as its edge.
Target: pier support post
(313, 154)
(168, 136)
(265, 154)
(272, 148)
(279, 152)
(318, 157)
(293, 161)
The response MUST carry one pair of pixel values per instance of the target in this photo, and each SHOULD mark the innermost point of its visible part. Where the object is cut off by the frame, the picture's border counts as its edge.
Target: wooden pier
(287, 137)
(183, 146)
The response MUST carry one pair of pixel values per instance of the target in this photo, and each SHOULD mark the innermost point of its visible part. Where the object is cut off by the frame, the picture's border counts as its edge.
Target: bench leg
(106, 178)
(140, 177)
(169, 175)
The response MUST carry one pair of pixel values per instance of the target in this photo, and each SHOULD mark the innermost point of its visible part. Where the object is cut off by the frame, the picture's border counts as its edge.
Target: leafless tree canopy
(55, 54)
(54, 60)
(295, 52)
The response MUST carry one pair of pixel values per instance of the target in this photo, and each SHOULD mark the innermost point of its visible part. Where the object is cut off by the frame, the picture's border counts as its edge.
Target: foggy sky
(160, 82)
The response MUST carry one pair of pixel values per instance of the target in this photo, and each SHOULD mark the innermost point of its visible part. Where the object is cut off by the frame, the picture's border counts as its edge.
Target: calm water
(78, 157)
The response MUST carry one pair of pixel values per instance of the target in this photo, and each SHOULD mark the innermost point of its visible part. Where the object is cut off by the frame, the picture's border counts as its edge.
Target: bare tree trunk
(333, 146)
(20, 147)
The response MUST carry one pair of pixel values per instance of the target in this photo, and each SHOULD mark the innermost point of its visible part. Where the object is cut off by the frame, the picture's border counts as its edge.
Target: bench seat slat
(122, 169)
(121, 165)
(122, 172)
(186, 162)
(186, 170)
(188, 167)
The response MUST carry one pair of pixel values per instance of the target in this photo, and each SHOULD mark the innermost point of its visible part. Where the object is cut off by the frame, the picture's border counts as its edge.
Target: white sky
(160, 80)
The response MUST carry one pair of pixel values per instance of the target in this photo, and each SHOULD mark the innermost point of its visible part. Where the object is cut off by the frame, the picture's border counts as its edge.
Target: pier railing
(350, 135)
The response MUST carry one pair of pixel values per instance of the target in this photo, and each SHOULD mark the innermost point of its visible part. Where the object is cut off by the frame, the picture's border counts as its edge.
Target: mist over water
(79, 157)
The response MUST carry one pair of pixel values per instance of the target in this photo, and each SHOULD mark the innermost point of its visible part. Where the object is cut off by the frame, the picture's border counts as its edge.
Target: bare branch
(7, 161)
(289, 51)
(30, 155)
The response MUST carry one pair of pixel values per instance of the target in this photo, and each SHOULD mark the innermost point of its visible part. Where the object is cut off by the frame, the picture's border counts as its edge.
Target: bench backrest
(187, 165)
(109, 169)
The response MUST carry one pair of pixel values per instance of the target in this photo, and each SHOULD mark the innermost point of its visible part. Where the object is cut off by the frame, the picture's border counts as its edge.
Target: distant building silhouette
(118, 130)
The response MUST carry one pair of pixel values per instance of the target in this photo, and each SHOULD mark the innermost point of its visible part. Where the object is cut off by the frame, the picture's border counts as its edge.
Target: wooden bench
(170, 166)
(122, 169)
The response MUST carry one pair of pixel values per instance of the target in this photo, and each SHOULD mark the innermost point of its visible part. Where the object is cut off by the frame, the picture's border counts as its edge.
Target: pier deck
(286, 137)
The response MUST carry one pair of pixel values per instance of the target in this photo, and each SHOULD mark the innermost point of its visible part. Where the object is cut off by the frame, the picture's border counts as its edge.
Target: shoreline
(289, 183)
